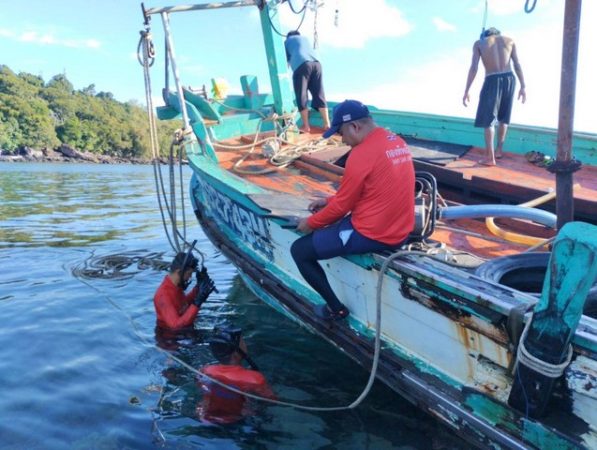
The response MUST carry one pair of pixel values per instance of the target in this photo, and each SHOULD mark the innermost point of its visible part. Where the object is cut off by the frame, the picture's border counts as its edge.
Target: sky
(396, 54)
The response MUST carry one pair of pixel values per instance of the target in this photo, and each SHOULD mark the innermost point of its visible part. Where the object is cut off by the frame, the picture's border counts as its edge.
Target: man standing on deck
(373, 209)
(174, 309)
(306, 76)
(498, 54)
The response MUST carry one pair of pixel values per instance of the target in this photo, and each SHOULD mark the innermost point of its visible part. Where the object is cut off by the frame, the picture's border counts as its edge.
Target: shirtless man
(499, 56)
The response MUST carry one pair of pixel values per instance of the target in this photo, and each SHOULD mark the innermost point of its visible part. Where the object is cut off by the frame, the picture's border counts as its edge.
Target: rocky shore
(65, 153)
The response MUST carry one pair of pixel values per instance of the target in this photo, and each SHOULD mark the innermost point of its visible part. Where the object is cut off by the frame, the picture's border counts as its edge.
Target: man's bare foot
(305, 129)
(487, 162)
(499, 154)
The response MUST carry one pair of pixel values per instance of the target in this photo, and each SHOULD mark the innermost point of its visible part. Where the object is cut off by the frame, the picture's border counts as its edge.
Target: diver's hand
(205, 286)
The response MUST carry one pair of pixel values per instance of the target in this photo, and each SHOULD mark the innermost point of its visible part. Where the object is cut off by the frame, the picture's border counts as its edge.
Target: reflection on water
(75, 205)
(80, 365)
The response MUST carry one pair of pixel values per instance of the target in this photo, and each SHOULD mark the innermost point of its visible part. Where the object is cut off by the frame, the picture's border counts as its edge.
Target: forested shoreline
(52, 121)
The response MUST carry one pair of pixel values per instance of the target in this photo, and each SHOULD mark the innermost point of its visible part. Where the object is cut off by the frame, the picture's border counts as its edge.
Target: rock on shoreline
(66, 153)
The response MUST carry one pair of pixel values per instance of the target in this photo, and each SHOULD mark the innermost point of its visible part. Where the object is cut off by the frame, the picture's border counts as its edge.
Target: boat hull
(463, 382)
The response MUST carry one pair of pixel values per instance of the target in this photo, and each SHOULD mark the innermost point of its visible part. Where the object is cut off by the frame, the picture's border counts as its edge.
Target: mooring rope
(524, 357)
(82, 276)
(114, 267)
(146, 56)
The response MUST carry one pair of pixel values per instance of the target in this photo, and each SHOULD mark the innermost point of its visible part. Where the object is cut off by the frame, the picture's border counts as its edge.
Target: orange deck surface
(302, 179)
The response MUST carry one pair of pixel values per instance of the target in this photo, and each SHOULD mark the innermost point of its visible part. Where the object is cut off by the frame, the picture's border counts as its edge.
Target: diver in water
(219, 404)
(174, 309)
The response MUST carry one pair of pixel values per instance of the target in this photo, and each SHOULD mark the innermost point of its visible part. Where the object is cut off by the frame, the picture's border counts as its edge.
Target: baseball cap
(345, 112)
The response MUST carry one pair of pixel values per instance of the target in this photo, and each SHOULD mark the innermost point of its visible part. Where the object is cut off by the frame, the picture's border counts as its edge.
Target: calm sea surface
(79, 367)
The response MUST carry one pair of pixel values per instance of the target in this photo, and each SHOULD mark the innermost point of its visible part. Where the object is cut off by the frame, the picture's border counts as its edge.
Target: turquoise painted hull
(464, 381)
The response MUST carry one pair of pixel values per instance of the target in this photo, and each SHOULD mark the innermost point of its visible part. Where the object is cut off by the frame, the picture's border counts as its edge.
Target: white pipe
(170, 49)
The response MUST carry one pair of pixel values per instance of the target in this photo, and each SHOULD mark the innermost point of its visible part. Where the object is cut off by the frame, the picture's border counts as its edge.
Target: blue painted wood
(276, 62)
(570, 275)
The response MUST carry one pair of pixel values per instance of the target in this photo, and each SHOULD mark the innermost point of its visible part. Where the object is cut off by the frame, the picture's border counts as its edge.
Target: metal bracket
(570, 166)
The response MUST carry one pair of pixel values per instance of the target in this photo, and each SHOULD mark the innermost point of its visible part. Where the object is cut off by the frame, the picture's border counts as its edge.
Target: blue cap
(345, 112)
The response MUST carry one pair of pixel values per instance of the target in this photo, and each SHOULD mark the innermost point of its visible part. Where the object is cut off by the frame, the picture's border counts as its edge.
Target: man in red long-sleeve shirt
(174, 309)
(373, 209)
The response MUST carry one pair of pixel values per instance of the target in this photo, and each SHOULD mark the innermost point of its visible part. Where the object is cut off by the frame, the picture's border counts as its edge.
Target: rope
(525, 358)
(113, 267)
(305, 3)
(304, 12)
(315, 34)
(540, 244)
(146, 55)
(203, 376)
(529, 9)
(484, 20)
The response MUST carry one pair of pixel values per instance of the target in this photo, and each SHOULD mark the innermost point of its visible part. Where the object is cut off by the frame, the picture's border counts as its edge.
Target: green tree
(39, 114)
(25, 118)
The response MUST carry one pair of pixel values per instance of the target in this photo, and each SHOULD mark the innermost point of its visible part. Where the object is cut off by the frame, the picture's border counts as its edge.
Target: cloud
(6, 33)
(48, 38)
(442, 25)
(352, 24)
(436, 86)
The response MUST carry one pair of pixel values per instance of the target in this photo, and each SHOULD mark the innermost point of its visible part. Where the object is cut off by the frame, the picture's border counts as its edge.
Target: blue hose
(510, 211)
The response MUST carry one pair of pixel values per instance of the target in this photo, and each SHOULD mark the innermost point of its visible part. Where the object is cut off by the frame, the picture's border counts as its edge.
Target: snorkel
(225, 341)
(190, 260)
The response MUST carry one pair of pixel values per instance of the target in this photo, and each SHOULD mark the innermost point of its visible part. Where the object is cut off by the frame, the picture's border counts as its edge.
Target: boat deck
(513, 180)
(313, 176)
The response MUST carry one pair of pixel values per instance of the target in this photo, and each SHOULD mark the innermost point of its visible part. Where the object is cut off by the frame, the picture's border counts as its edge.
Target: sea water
(79, 365)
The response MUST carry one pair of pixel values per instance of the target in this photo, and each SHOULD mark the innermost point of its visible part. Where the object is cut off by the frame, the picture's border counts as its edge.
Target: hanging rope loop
(145, 48)
(529, 7)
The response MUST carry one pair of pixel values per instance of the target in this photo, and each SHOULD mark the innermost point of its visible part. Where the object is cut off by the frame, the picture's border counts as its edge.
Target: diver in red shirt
(174, 309)
(221, 405)
(373, 210)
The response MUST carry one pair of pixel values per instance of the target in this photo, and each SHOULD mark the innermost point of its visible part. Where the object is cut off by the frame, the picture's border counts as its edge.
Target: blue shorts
(341, 239)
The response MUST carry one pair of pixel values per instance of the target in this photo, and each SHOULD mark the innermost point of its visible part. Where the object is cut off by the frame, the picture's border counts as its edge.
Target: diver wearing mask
(175, 309)
(219, 404)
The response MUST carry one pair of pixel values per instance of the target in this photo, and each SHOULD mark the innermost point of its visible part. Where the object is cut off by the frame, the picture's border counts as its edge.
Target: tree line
(39, 114)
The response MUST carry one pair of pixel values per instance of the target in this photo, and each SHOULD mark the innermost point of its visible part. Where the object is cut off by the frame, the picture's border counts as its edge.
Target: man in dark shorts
(498, 54)
(373, 209)
(306, 76)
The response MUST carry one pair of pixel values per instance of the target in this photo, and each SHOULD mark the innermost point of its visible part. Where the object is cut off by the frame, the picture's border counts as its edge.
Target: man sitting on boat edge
(373, 209)
(174, 309)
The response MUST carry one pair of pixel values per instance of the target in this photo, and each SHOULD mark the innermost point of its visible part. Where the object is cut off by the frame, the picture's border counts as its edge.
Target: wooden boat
(465, 324)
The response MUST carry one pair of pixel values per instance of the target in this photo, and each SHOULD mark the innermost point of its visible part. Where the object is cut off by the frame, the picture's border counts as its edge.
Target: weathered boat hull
(448, 336)
(464, 381)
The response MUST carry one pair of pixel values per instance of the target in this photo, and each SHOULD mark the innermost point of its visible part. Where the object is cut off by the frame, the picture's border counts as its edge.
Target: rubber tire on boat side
(499, 268)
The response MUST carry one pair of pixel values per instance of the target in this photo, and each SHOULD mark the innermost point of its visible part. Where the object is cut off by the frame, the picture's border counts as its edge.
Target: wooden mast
(565, 165)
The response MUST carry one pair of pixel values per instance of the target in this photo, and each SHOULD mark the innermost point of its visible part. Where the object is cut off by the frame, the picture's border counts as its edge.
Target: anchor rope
(484, 22)
(528, 8)
(549, 370)
(146, 56)
(304, 13)
(137, 332)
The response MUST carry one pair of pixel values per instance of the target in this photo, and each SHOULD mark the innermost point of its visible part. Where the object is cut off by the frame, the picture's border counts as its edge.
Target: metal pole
(170, 45)
(213, 5)
(564, 163)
